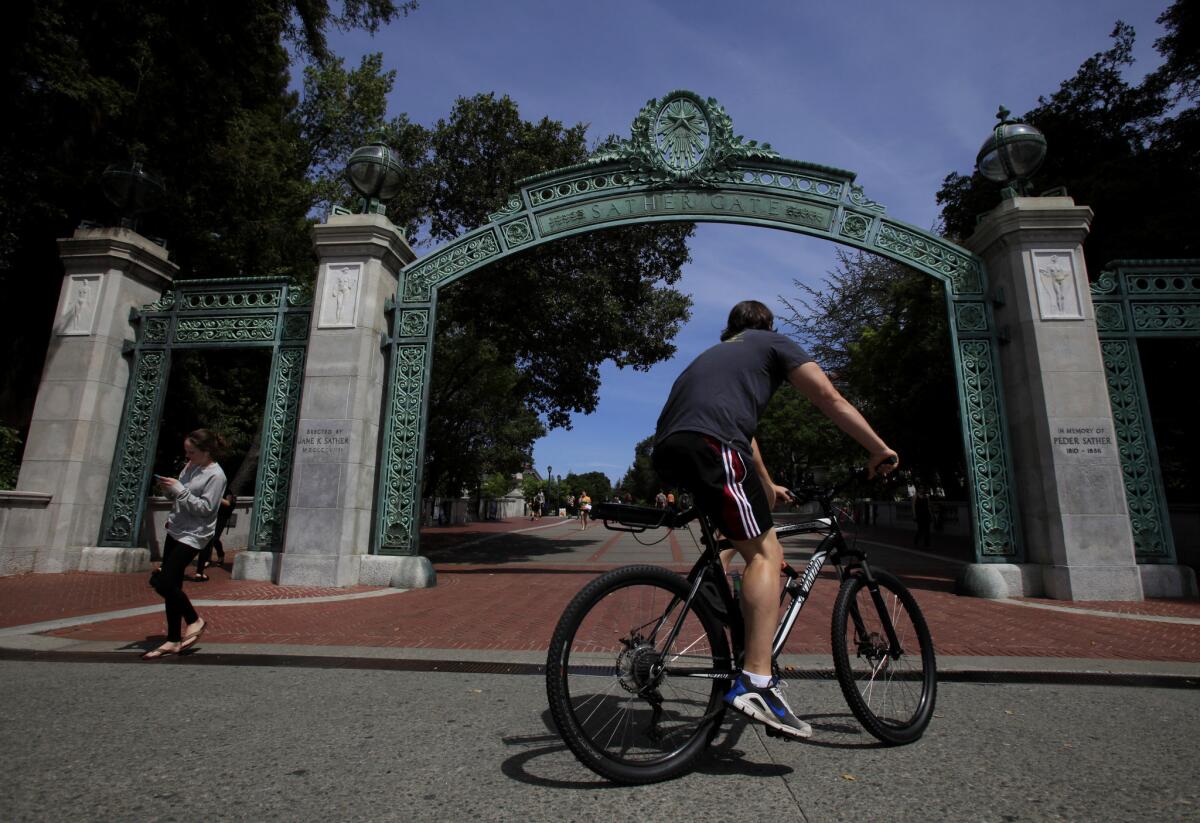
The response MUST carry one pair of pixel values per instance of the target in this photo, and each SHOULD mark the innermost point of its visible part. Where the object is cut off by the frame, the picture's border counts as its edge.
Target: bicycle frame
(709, 569)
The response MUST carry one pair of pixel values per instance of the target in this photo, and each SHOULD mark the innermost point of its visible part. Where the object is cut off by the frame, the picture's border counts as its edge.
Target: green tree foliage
(1127, 151)
(596, 484)
(641, 481)
(10, 457)
(195, 91)
(200, 96)
(879, 328)
(796, 440)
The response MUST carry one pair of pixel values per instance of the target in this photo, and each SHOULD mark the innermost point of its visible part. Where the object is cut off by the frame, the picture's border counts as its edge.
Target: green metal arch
(683, 163)
(781, 194)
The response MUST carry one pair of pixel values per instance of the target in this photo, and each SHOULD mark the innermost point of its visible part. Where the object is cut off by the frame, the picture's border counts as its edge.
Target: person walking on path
(704, 442)
(923, 515)
(197, 497)
(585, 508)
(204, 560)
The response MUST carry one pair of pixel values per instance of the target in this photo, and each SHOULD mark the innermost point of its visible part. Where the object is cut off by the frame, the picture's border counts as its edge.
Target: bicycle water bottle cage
(623, 517)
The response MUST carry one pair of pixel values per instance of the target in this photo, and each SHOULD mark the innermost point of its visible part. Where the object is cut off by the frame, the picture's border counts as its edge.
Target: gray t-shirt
(724, 391)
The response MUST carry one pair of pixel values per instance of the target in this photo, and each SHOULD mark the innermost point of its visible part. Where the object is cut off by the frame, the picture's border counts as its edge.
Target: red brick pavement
(516, 609)
(515, 605)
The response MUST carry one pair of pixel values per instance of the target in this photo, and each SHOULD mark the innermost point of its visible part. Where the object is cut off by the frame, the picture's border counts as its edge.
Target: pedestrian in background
(224, 512)
(585, 509)
(923, 515)
(197, 496)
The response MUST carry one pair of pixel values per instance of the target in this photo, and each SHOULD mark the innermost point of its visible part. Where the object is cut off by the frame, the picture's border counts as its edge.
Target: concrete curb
(1149, 673)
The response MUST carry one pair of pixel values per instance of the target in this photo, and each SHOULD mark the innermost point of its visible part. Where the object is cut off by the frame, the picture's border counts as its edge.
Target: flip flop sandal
(155, 654)
(192, 639)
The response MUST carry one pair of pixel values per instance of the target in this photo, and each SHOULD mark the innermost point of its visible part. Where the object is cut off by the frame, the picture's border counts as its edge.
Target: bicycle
(642, 657)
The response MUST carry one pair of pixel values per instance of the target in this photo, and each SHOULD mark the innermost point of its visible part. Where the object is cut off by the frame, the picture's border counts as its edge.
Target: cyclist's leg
(760, 597)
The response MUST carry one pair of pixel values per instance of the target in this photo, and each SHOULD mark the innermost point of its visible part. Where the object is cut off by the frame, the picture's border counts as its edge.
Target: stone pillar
(1068, 474)
(73, 434)
(337, 440)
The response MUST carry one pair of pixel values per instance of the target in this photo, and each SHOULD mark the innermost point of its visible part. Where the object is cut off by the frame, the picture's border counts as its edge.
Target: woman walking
(585, 509)
(193, 521)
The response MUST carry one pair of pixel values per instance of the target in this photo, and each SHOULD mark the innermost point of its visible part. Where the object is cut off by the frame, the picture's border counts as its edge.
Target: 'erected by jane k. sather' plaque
(323, 441)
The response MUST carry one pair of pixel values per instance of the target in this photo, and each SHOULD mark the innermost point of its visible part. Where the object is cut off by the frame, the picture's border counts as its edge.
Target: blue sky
(900, 93)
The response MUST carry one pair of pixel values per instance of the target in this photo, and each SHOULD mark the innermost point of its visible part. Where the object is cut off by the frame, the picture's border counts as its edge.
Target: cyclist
(704, 442)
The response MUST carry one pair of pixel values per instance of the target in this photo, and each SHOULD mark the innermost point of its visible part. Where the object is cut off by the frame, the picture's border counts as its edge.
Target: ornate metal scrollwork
(970, 317)
(682, 139)
(224, 329)
(986, 450)
(278, 446)
(1137, 466)
(221, 313)
(855, 226)
(135, 446)
(961, 271)
(445, 264)
(399, 505)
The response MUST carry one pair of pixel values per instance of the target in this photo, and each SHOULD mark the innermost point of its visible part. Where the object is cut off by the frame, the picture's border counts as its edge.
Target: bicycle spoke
(631, 697)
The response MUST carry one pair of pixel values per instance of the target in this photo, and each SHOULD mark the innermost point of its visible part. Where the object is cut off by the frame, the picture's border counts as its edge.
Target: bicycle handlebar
(825, 494)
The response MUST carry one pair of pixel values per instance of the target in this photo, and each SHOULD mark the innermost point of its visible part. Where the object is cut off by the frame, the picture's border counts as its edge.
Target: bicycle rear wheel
(630, 709)
(890, 690)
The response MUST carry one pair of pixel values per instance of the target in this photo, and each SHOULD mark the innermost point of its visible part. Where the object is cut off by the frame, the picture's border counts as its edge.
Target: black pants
(176, 558)
(205, 558)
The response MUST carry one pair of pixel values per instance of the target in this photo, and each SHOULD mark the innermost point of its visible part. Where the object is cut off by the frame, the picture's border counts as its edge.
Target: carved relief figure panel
(1057, 285)
(339, 301)
(77, 315)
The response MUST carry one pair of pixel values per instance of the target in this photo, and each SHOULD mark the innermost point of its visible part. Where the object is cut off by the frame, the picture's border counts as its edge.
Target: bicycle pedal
(774, 732)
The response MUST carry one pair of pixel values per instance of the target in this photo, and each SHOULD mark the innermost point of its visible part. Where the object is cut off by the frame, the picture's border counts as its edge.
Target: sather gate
(683, 162)
(240, 313)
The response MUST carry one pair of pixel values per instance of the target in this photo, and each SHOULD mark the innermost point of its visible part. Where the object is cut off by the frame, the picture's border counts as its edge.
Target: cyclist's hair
(749, 314)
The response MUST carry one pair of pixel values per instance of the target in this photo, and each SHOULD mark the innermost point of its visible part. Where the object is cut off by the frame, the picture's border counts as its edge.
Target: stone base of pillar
(113, 560)
(58, 559)
(1168, 581)
(999, 580)
(17, 561)
(250, 565)
(1092, 582)
(405, 572)
(323, 570)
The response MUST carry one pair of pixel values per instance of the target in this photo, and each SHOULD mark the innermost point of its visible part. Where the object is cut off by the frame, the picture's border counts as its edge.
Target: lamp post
(375, 173)
(1011, 155)
(133, 190)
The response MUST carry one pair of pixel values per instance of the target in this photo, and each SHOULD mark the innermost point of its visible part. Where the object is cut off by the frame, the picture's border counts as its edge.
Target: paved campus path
(501, 587)
(366, 703)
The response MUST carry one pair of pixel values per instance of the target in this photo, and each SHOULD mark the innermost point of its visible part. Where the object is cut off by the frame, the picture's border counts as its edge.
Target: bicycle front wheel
(631, 708)
(891, 688)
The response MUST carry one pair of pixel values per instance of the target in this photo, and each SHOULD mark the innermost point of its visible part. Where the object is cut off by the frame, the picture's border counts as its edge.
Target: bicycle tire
(600, 657)
(893, 698)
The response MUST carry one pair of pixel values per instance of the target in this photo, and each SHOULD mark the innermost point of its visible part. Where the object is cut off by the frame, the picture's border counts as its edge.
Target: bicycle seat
(640, 518)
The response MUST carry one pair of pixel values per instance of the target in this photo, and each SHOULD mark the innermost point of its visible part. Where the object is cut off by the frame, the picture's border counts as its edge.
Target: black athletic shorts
(720, 479)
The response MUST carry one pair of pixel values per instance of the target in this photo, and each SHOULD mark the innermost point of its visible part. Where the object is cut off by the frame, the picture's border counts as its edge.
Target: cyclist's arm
(773, 491)
(815, 385)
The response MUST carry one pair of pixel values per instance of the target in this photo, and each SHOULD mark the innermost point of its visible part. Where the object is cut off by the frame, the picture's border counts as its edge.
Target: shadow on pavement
(501, 548)
(723, 757)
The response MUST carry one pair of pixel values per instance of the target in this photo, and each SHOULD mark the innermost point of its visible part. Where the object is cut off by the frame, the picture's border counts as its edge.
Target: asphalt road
(113, 742)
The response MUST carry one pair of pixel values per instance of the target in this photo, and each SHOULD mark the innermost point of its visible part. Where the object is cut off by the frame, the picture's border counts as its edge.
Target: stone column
(1068, 474)
(337, 441)
(73, 434)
